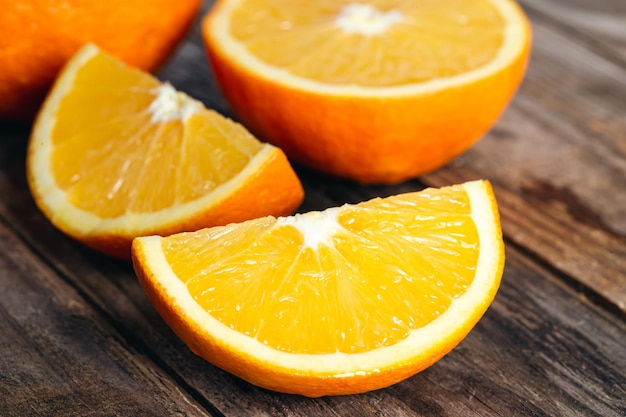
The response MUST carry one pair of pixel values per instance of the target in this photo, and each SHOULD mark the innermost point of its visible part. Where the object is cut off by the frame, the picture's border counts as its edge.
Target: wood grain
(60, 357)
(78, 336)
(558, 158)
(601, 22)
(539, 350)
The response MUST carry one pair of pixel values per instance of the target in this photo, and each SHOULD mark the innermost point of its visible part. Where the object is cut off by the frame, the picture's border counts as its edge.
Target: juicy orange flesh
(111, 159)
(390, 267)
(421, 40)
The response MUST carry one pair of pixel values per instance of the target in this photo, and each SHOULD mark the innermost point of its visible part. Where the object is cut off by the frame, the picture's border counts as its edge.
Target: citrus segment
(115, 154)
(442, 39)
(346, 300)
(377, 91)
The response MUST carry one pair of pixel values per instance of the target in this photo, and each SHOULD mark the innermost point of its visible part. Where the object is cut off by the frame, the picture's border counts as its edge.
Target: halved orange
(341, 301)
(116, 154)
(375, 90)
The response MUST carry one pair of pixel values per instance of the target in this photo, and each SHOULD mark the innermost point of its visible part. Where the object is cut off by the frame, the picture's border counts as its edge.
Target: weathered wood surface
(558, 154)
(78, 337)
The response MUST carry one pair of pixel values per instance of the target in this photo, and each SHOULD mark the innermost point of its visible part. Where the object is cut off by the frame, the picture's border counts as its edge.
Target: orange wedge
(375, 90)
(115, 154)
(346, 300)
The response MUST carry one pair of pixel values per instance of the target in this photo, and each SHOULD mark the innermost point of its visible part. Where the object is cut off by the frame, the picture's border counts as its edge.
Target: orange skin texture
(37, 37)
(370, 140)
(273, 190)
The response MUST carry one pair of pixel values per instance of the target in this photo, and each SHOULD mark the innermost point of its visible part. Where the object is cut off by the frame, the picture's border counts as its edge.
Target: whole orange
(38, 36)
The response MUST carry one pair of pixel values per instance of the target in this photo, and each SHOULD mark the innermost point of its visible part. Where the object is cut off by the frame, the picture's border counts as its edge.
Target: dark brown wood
(78, 336)
(59, 356)
(551, 224)
(601, 22)
(507, 365)
(558, 155)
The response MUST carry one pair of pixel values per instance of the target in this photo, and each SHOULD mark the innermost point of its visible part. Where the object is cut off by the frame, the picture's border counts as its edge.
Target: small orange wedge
(342, 301)
(116, 154)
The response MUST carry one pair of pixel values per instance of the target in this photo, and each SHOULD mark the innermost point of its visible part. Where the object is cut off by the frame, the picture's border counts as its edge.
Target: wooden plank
(565, 129)
(59, 357)
(602, 22)
(540, 350)
(554, 228)
(558, 156)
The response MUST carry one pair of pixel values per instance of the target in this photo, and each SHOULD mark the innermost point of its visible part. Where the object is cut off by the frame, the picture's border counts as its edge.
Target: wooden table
(79, 338)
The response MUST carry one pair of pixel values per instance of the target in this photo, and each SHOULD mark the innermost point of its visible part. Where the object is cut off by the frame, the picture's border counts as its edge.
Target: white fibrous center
(170, 104)
(365, 19)
(317, 227)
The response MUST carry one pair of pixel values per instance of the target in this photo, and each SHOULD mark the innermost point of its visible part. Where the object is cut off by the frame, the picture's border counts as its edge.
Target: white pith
(170, 104)
(514, 42)
(365, 19)
(421, 342)
(317, 227)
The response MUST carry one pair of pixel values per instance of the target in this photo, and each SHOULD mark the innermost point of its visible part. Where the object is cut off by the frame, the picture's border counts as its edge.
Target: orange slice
(116, 154)
(346, 300)
(375, 90)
